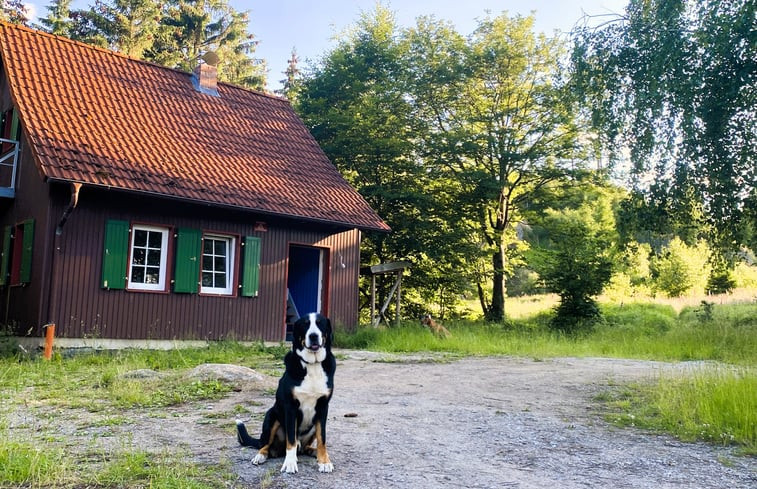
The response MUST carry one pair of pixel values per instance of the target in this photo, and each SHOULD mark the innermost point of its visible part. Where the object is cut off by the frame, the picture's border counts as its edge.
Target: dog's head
(426, 320)
(311, 337)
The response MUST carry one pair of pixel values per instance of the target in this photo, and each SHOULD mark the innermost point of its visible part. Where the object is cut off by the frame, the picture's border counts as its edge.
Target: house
(140, 202)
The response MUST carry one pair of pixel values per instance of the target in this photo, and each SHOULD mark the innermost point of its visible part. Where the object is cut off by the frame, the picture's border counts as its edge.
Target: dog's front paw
(290, 462)
(289, 466)
(259, 459)
(327, 467)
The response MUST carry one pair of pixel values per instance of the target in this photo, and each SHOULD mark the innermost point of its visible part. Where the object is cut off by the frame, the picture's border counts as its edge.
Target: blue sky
(310, 26)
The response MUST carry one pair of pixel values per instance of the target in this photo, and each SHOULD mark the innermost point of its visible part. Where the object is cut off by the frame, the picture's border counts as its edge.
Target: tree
(292, 73)
(58, 20)
(496, 121)
(193, 27)
(14, 11)
(126, 26)
(576, 262)
(675, 81)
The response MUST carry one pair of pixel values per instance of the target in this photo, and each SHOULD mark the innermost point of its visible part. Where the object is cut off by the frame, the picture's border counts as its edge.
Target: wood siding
(81, 308)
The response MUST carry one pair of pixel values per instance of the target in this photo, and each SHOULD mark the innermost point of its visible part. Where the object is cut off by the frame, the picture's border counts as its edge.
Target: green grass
(643, 331)
(717, 405)
(36, 456)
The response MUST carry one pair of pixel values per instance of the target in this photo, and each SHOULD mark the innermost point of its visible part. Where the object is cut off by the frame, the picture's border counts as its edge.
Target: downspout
(52, 303)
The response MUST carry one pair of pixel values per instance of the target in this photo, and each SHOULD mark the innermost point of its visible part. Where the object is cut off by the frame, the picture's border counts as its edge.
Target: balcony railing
(8, 167)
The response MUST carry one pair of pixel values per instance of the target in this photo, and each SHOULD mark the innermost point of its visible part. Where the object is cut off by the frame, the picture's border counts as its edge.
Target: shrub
(680, 269)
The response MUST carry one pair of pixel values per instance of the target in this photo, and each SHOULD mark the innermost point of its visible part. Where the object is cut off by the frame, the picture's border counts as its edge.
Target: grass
(34, 454)
(643, 331)
(716, 404)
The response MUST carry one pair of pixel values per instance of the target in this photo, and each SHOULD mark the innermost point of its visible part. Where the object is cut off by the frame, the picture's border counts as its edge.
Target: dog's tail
(244, 438)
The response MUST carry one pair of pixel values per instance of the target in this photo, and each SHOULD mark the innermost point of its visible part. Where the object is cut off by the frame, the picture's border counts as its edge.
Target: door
(305, 281)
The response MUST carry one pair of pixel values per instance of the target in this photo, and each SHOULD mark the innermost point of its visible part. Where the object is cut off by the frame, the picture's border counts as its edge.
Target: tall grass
(644, 331)
(718, 405)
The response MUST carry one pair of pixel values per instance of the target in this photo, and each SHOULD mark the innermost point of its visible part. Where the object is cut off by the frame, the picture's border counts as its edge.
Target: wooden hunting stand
(397, 267)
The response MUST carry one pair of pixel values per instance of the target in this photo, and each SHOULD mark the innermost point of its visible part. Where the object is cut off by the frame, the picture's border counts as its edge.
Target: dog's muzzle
(314, 342)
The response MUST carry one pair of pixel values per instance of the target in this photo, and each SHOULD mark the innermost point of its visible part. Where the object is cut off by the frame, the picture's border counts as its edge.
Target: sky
(310, 26)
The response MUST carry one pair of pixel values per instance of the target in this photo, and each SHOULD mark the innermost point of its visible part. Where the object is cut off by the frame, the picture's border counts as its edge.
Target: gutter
(75, 187)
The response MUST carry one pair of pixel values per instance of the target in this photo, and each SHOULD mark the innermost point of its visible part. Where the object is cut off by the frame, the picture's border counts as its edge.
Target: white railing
(8, 159)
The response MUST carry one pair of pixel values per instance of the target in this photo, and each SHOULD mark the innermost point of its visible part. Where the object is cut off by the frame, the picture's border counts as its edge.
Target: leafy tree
(495, 120)
(675, 82)
(576, 263)
(680, 269)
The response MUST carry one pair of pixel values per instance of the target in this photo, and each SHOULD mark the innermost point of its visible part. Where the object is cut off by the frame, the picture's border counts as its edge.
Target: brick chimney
(205, 79)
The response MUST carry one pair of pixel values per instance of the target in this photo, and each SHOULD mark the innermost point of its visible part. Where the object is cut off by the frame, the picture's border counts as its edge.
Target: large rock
(233, 374)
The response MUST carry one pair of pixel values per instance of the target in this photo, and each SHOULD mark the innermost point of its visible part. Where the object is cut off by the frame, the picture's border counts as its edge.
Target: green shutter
(5, 257)
(188, 255)
(26, 252)
(115, 254)
(14, 125)
(251, 267)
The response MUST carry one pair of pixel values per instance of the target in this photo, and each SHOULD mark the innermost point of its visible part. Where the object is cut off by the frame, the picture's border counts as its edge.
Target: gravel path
(486, 423)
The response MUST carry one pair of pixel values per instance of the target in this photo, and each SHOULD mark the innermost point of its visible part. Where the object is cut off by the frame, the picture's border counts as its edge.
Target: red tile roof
(101, 118)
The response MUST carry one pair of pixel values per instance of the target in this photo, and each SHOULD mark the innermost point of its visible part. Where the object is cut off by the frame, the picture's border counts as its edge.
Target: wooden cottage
(142, 202)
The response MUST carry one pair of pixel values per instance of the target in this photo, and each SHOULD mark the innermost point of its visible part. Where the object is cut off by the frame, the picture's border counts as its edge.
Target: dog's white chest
(313, 387)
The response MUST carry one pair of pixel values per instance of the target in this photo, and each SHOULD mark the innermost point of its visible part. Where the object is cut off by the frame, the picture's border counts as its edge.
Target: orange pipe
(49, 335)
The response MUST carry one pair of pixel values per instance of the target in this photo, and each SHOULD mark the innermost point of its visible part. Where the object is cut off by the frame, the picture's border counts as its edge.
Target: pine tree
(58, 20)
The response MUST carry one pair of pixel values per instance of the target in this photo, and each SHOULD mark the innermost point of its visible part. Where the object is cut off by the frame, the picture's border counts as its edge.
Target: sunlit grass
(718, 405)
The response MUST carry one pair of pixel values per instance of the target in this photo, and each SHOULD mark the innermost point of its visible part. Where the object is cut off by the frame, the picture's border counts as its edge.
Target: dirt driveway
(478, 423)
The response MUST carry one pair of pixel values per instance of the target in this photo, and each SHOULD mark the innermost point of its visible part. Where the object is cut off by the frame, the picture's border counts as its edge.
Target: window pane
(207, 279)
(140, 238)
(220, 264)
(153, 258)
(155, 240)
(139, 256)
(207, 262)
(207, 246)
(220, 280)
(138, 275)
(152, 275)
(221, 248)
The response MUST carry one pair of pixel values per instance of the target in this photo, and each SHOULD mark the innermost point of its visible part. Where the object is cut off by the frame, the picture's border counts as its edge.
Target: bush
(680, 269)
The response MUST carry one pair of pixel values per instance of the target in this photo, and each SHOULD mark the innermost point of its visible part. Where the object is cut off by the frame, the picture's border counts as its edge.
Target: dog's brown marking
(265, 448)
(321, 454)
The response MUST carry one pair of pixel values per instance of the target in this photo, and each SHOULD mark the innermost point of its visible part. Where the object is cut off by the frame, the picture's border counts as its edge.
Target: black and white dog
(298, 417)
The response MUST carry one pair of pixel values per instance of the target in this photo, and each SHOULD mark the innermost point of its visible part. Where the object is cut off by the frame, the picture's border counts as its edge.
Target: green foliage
(23, 463)
(673, 80)
(174, 33)
(680, 269)
(576, 263)
(745, 276)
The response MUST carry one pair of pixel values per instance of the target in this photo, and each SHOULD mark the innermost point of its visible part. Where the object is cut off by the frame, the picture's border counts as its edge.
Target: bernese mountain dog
(298, 416)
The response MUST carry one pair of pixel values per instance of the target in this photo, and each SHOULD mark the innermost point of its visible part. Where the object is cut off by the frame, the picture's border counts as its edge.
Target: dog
(435, 327)
(298, 416)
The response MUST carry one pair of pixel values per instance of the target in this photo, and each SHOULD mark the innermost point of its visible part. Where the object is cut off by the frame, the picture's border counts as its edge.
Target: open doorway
(305, 282)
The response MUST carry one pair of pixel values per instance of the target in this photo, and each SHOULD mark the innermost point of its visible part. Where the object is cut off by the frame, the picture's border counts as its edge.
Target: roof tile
(101, 118)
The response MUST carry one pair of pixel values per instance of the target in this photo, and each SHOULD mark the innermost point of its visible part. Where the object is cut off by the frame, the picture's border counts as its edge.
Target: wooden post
(49, 335)
(373, 301)
(399, 296)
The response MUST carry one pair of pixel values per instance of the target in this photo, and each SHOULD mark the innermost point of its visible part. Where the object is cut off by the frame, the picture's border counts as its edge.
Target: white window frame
(231, 245)
(161, 284)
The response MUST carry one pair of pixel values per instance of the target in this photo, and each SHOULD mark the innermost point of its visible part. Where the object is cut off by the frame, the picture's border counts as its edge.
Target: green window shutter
(115, 254)
(14, 125)
(188, 255)
(5, 257)
(26, 251)
(251, 267)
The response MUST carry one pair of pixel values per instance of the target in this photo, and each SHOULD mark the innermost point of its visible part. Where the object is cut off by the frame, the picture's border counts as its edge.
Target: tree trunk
(497, 309)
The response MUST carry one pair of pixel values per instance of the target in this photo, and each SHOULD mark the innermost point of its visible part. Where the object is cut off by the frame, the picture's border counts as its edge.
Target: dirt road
(482, 423)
